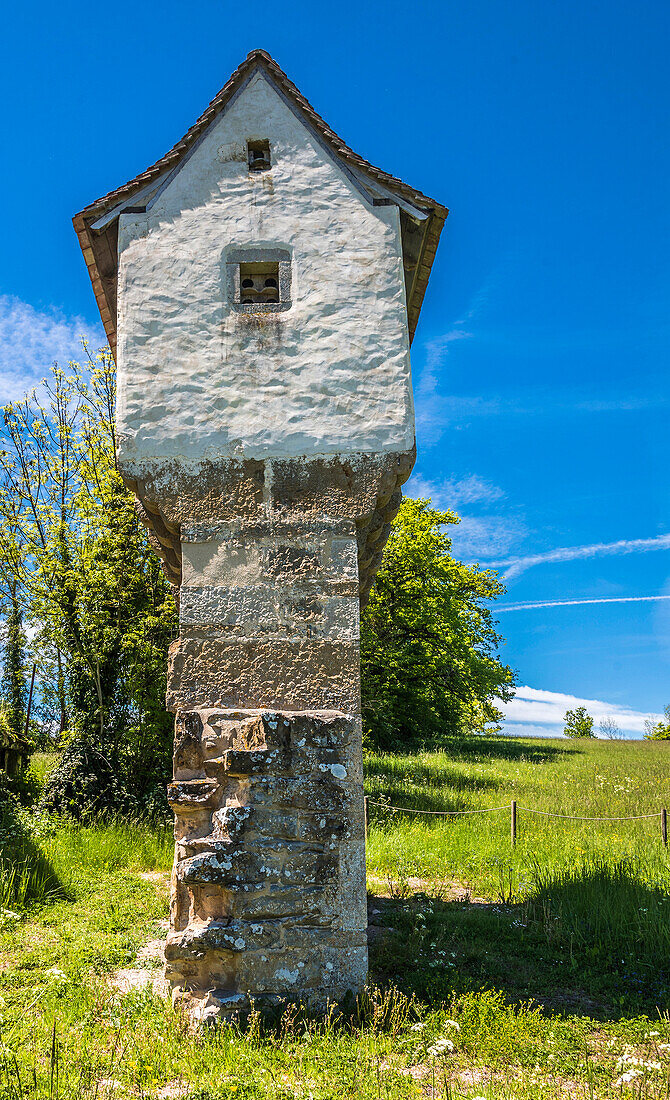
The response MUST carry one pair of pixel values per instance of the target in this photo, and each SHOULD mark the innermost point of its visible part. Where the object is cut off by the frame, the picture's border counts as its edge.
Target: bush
(658, 731)
(25, 873)
(578, 723)
(84, 784)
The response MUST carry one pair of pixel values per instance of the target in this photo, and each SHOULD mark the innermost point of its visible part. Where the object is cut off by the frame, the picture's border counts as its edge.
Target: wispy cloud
(535, 711)
(534, 604)
(459, 492)
(477, 535)
(514, 567)
(454, 492)
(436, 410)
(32, 339)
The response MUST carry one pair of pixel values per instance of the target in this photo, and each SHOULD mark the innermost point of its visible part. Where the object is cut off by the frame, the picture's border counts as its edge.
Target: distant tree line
(579, 723)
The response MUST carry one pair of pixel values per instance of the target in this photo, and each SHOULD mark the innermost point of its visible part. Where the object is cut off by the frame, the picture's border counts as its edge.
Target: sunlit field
(535, 973)
(585, 778)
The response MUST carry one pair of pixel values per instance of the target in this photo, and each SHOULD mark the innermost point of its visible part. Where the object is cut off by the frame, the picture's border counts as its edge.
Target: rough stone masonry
(260, 285)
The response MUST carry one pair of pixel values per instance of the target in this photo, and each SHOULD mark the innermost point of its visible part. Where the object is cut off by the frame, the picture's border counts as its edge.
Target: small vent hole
(258, 154)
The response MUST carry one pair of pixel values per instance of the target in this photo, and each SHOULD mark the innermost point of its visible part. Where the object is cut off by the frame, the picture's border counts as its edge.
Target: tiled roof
(99, 247)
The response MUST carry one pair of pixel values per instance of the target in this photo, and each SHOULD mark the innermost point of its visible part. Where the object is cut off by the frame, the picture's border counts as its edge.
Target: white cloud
(436, 411)
(476, 536)
(534, 712)
(32, 339)
(454, 492)
(577, 603)
(514, 567)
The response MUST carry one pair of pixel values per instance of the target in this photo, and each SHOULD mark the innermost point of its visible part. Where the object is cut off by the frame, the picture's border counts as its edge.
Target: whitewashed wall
(198, 380)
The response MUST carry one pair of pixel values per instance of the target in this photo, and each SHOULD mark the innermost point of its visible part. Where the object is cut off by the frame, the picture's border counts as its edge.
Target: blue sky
(541, 356)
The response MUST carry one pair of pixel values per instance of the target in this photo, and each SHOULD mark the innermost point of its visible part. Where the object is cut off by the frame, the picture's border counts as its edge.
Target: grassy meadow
(537, 972)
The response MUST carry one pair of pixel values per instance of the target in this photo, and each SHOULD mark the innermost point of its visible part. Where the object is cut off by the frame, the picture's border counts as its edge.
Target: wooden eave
(97, 224)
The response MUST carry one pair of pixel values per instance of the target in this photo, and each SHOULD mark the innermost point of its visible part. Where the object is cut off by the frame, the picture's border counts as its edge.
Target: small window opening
(259, 283)
(259, 156)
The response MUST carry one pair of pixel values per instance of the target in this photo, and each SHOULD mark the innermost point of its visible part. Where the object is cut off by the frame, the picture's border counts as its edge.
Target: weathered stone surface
(259, 611)
(269, 878)
(269, 553)
(291, 675)
(291, 490)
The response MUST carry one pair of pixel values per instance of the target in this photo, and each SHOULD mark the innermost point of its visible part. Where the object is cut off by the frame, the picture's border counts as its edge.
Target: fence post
(664, 826)
(365, 814)
(513, 822)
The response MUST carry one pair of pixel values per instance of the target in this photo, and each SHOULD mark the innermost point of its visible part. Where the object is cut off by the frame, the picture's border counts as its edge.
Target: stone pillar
(268, 898)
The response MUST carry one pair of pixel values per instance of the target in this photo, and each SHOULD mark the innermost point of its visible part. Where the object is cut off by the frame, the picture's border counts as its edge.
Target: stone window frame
(237, 256)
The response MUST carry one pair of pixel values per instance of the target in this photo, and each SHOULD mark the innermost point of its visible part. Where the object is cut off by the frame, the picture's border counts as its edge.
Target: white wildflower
(440, 1046)
(55, 972)
(417, 1027)
(628, 1076)
(452, 1023)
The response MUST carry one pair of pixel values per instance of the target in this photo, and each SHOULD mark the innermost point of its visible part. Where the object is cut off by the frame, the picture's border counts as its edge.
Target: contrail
(514, 567)
(576, 603)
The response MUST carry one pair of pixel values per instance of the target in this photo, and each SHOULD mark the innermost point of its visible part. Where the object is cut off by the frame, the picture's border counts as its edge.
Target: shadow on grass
(480, 749)
(430, 783)
(26, 875)
(593, 941)
(422, 786)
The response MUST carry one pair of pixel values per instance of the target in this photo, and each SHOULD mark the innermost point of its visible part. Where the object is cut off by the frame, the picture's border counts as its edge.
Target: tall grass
(107, 846)
(605, 908)
(41, 765)
(42, 859)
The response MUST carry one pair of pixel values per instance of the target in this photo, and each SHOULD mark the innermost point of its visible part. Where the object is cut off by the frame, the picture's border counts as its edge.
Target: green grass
(41, 765)
(554, 976)
(584, 908)
(586, 778)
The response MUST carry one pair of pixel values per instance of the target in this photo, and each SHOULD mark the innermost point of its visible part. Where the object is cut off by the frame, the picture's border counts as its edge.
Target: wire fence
(514, 811)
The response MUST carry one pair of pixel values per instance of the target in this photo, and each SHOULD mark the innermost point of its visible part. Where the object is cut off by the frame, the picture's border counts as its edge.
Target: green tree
(429, 662)
(658, 731)
(13, 685)
(578, 723)
(101, 610)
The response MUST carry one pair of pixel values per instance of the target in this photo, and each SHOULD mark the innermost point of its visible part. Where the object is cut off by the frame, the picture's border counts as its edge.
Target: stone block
(261, 610)
(195, 942)
(290, 675)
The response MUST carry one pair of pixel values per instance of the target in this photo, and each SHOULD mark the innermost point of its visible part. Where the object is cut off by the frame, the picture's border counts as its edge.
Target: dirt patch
(148, 970)
(173, 1090)
(161, 878)
(124, 981)
(575, 1002)
(445, 890)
